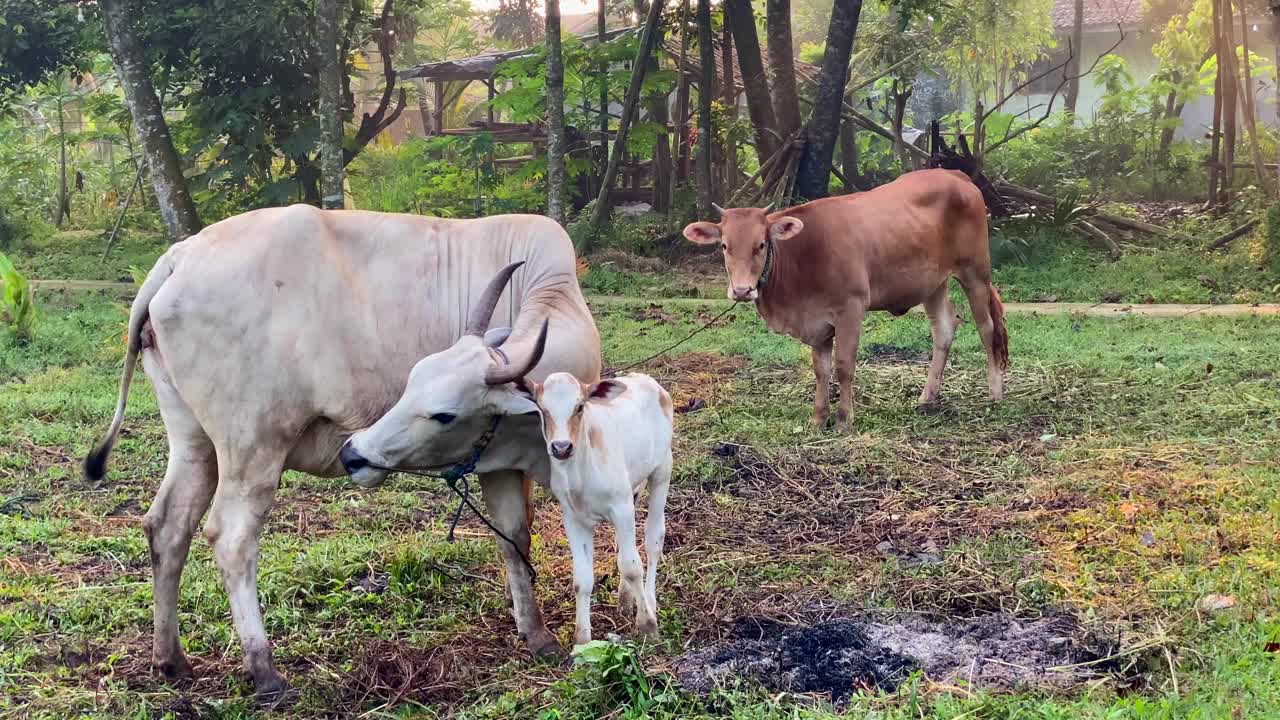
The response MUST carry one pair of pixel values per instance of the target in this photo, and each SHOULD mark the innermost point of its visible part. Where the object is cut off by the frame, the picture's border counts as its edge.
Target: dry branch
(1226, 239)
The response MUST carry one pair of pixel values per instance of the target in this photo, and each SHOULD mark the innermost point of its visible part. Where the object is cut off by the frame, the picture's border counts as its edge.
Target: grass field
(1132, 472)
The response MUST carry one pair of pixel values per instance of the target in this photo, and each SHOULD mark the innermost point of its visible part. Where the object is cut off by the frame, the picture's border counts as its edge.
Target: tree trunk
(656, 109)
(782, 66)
(555, 115)
(742, 24)
(1250, 111)
(1215, 132)
(900, 99)
(648, 39)
(849, 154)
(331, 170)
(64, 197)
(1230, 99)
(176, 207)
(814, 171)
(1073, 67)
(707, 60)
(1172, 109)
(728, 98)
(682, 101)
(1275, 40)
(603, 73)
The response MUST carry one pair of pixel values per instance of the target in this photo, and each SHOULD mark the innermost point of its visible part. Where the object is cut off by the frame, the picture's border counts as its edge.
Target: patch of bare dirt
(837, 658)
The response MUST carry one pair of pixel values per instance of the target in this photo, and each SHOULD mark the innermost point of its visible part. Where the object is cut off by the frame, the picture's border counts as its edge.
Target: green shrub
(17, 306)
(1271, 240)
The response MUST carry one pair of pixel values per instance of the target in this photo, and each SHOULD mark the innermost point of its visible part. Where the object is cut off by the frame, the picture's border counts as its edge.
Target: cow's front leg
(247, 482)
(822, 374)
(578, 531)
(509, 509)
(848, 334)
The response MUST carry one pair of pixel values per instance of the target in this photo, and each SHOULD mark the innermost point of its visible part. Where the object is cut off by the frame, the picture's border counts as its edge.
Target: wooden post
(438, 119)
(489, 83)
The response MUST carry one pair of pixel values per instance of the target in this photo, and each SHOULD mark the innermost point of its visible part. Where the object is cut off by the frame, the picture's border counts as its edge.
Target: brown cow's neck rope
(769, 252)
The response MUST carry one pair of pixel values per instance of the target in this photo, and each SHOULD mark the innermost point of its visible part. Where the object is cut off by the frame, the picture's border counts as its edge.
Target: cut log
(1226, 239)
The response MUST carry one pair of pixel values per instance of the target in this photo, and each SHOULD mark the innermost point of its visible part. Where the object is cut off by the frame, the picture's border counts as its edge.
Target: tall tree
(814, 173)
(555, 115)
(1073, 66)
(648, 40)
(1250, 111)
(658, 113)
(729, 99)
(738, 15)
(331, 169)
(682, 100)
(1275, 40)
(121, 21)
(706, 85)
(782, 64)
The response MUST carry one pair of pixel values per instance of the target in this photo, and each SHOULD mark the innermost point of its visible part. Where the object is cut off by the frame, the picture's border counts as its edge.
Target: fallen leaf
(1272, 647)
(1129, 510)
(1217, 603)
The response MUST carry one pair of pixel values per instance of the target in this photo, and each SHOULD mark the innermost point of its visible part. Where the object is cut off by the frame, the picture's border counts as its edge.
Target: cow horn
(502, 374)
(718, 208)
(769, 208)
(482, 313)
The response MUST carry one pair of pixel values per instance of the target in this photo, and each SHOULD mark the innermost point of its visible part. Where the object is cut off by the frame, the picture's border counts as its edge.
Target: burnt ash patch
(837, 658)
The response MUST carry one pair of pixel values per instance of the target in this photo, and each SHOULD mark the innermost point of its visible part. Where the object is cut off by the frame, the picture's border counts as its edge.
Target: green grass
(77, 255)
(1131, 471)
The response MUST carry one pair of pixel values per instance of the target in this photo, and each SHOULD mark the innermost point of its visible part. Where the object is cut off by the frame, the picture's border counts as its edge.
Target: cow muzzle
(742, 294)
(358, 468)
(561, 449)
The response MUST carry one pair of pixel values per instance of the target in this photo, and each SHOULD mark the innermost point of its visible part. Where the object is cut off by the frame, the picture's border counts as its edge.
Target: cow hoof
(929, 407)
(647, 628)
(548, 650)
(271, 690)
(820, 421)
(178, 668)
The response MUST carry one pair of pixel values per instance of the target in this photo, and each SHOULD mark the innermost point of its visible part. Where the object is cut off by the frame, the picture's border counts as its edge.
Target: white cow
(274, 336)
(609, 441)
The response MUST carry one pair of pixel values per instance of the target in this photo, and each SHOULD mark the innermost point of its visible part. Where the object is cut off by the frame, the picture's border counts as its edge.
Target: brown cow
(815, 270)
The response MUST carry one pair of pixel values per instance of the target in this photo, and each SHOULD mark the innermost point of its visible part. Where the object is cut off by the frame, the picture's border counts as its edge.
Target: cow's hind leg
(174, 514)
(942, 326)
(247, 482)
(631, 569)
(988, 315)
(848, 335)
(507, 502)
(822, 374)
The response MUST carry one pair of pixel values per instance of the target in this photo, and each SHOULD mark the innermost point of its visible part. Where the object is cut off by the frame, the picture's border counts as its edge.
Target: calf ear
(703, 233)
(495, 337)
(605, 390)
(784, 227)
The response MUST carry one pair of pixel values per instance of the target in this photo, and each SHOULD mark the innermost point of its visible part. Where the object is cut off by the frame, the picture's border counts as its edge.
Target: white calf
(608, 441)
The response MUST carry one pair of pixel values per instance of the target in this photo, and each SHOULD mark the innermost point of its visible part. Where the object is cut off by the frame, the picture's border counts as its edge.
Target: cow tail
(95, 463)
(999, 335)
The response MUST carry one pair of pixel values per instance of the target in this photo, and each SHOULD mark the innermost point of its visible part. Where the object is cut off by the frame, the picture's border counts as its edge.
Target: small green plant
(17, 306)
(609, 676)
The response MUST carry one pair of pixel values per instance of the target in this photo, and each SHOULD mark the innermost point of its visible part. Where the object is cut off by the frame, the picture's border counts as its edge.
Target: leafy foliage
(17, 305)
(39, 39)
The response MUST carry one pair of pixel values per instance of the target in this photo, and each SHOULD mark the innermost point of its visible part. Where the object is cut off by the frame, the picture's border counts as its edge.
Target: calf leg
(579, 532)
(174, 514)
(505, 498)
(822, 373)
(982, 301)
(247, 482)
(848, 334)
(655, 531)
(942, 326)
(631, 568)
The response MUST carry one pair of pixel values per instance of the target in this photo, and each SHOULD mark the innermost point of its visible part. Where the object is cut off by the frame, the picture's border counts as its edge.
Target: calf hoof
(178, 668)
(271, 690)
(929, 407)
(820, 420)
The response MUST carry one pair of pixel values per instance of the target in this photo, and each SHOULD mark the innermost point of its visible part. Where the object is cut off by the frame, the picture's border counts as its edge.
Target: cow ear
(784, 227)
(495, 337)
(516, 398)
(605, 390)
(703, 233)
